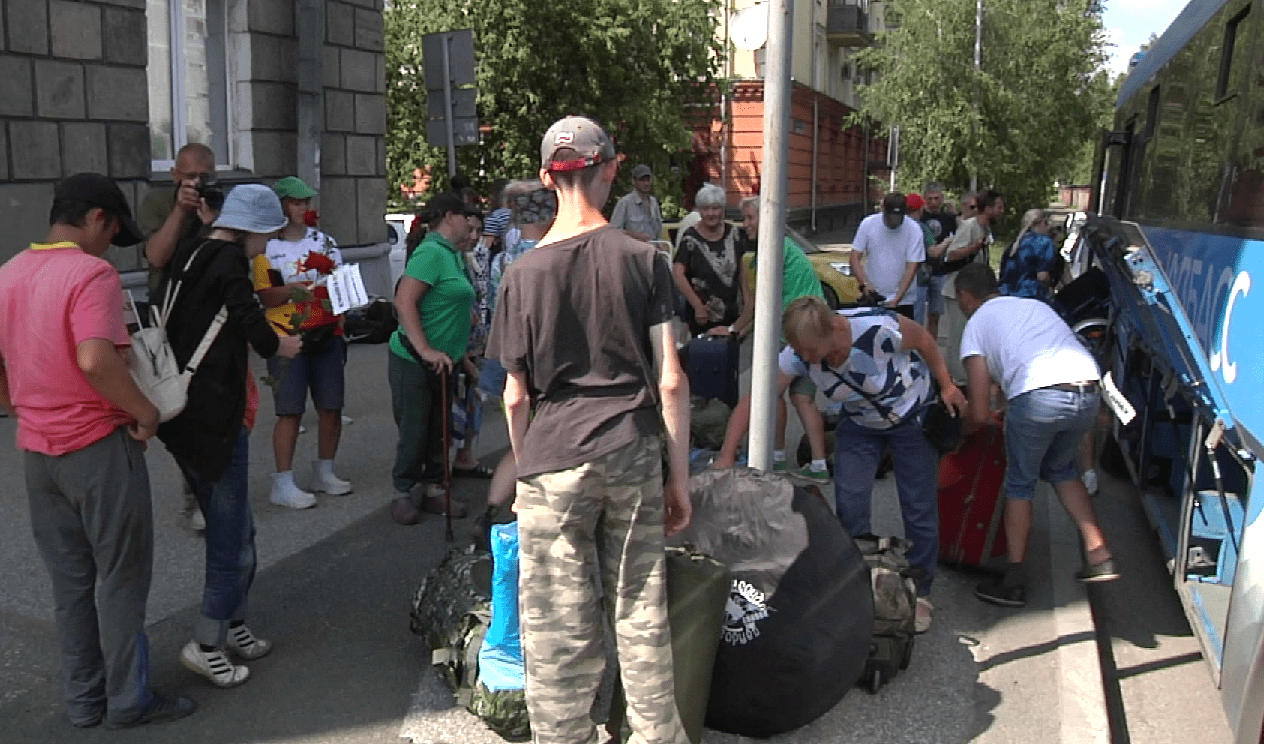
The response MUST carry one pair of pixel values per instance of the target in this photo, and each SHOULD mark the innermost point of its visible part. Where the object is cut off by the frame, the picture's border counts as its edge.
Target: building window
(189, 91)
(1226, 53)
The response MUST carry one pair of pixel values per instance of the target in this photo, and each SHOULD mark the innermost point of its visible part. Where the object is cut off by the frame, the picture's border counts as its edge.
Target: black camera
(213, 193)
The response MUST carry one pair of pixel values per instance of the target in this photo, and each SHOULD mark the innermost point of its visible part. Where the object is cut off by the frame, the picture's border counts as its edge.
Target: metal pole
(310, 99)
(816, 143)
(978, 68)
(893, 152)
(449, 113)
(772, 231)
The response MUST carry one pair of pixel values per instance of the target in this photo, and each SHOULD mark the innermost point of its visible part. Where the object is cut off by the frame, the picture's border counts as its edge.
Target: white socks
(325, 469)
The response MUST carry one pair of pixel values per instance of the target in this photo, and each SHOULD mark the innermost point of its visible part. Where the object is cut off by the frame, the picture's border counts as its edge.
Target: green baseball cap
(292, 187)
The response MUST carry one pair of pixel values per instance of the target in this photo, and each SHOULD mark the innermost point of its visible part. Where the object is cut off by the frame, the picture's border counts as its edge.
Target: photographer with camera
(186, 211)
(169, 217)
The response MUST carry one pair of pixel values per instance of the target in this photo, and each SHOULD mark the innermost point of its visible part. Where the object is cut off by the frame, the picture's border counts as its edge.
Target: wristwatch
(733, 330)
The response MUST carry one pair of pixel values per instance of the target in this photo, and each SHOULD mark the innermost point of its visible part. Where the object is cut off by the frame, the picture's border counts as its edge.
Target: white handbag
(153, 363)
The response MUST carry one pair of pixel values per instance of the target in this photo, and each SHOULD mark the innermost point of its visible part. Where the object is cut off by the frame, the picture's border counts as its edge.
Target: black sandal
(478, 471)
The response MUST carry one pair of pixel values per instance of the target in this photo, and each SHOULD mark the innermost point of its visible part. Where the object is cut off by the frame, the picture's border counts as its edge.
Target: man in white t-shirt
(1051, 385)
(886, 253)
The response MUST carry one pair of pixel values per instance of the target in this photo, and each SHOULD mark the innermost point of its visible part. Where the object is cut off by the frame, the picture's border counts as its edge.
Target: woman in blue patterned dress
(1029, 264)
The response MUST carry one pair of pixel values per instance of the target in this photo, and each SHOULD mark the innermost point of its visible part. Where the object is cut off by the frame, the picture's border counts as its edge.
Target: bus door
(1216, 488)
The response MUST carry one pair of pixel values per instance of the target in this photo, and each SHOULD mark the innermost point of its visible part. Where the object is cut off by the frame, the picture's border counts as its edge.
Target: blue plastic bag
(500, 665)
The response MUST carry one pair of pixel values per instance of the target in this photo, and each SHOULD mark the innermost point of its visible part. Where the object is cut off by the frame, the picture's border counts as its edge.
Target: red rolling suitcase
(971, 529)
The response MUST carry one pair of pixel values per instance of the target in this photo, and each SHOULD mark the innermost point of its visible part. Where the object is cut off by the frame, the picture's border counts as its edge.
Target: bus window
(1223, 87)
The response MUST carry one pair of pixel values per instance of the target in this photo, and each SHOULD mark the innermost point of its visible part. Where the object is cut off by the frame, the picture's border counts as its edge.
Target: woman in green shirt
(434, 302)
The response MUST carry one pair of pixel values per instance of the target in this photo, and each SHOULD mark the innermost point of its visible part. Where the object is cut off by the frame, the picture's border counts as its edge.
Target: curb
(1080, 692)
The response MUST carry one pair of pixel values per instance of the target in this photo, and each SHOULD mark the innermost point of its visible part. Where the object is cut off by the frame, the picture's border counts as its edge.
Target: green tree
(635, 66)
(1020, 121)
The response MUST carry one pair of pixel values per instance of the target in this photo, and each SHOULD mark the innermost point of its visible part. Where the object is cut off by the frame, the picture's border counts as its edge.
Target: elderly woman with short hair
(707, 266)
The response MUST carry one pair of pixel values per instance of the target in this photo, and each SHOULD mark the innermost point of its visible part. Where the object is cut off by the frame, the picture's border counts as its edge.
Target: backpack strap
(160, 319)
(217, 323)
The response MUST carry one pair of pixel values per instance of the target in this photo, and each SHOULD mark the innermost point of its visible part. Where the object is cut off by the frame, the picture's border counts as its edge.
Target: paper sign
(346, 289)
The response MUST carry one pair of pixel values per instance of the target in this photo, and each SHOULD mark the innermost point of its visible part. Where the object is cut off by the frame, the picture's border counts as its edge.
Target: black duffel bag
(799, 620)
(371, 324)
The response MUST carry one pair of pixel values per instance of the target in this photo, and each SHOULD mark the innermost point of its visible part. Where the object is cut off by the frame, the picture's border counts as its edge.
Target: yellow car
(832, 268)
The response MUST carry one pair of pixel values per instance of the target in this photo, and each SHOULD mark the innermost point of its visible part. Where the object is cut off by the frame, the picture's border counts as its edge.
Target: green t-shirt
(798, 277)
(445, 307)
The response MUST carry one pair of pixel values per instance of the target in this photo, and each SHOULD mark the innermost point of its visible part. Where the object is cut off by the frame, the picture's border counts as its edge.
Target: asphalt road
(335, 583)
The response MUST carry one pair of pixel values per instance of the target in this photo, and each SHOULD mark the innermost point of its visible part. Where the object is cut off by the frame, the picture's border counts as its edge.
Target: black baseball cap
(894, 203)
(100, 191)
(445, 202)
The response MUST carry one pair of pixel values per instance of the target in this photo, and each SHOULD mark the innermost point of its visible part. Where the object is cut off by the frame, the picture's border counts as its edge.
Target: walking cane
(447, 447)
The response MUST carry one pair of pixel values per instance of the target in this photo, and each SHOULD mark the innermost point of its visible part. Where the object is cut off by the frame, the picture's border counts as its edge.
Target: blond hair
(806, 319)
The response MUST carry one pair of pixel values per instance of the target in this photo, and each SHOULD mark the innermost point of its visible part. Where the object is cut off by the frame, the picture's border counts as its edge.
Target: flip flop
(478, 471)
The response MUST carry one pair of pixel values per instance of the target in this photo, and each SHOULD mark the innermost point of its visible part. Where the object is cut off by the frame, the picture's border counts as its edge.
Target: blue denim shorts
(321, 373)
(1043, 430)
(492, 376)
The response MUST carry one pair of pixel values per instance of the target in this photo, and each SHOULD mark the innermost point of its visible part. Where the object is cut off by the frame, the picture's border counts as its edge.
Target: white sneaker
(921, 623)
(247, 645)
(197, 522)
(347, 421)
(213, 665)
(1090, 481)
(329, 483)
(290, 495)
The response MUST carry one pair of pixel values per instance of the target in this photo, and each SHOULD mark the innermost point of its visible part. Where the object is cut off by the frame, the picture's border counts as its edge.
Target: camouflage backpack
(894, 607)
(452, 611)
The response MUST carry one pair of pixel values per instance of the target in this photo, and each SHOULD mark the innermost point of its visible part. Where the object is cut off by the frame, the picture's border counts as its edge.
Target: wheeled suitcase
(971, 529)
(712, 365)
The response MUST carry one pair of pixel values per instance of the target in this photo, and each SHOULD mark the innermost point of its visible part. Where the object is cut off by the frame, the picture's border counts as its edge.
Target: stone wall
(353, 145)
(73, 98)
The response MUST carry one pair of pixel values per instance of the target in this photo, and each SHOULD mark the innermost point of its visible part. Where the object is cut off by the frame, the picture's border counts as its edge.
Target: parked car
(832, 269)
(397, 227)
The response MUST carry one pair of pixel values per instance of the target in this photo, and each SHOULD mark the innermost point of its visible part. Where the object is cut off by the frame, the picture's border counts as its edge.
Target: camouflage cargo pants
(611, 508)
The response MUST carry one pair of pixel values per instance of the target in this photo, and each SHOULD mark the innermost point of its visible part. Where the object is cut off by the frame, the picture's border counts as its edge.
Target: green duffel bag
(697, 590)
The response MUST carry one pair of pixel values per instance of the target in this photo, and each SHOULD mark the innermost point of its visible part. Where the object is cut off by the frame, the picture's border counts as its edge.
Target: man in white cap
(638, 213)
(583, 328)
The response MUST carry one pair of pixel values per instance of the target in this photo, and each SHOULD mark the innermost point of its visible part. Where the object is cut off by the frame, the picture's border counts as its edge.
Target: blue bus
(1177, 229)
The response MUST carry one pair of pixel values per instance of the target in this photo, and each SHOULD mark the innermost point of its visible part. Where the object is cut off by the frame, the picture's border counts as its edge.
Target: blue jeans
(857, 452)
(1043, 429)
(230, 546)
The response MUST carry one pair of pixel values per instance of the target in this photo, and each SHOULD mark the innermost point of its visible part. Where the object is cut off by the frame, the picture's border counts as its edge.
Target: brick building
(275, 87)
(832, 165)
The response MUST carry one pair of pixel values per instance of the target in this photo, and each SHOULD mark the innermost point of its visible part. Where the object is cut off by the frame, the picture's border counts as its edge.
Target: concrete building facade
(274, 87)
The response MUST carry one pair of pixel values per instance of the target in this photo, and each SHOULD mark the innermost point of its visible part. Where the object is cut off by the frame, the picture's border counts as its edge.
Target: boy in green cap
(284, 278)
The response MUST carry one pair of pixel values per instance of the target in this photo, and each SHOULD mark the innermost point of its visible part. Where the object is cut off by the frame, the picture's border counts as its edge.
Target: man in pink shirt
(83, 424)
